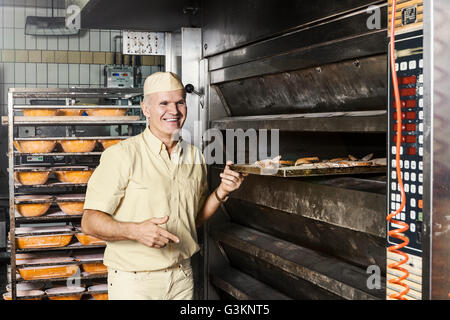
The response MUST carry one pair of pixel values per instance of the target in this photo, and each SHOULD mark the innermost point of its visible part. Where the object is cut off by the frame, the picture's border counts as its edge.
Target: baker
(147, 197)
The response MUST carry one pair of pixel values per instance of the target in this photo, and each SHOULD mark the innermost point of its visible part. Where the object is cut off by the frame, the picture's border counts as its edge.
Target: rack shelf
(54, 187)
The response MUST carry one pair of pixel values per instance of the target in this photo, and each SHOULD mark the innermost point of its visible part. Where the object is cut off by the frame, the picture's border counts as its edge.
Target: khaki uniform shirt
(136, 181)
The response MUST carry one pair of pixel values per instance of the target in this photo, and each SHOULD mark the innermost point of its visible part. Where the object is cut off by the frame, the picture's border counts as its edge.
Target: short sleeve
(107, 185)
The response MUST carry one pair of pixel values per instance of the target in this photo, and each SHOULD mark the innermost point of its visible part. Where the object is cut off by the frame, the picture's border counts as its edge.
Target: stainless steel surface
(244, 287)
(156, 15)
(436, 153)
(231, 24)
(343, 86)
(356, 121)
(355, 207)
(326, 272)
(320, 78)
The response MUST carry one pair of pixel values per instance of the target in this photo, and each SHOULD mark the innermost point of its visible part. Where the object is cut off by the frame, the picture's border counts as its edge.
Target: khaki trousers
(174, 283)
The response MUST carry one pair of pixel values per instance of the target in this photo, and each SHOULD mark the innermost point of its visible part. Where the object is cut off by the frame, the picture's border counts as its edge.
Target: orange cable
(397, 233)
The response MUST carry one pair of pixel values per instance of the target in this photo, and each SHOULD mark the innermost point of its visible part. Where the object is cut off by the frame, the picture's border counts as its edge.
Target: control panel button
(403, 66)
(393, 186)
(398, 198)
(421, 63)
(412, 215)
(396, 67)
(420, 103)
(411, 151)
(402, 216)
(393, 163)
(412, 203)
(412, 64)
(412, 227)
(406, 187)
(406, 176)
(393, 175)
(421, 204)
(420, 177)
(421, 165)
(421, 91)
(421, 139)
(408, 92)
(420, 151)
(413, 165)
(413, 176)
(421, 127)
(406, 164)
(420, 190)
(413, 188)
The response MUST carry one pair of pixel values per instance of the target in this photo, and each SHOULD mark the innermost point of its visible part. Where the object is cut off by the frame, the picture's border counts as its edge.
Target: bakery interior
(337, 206)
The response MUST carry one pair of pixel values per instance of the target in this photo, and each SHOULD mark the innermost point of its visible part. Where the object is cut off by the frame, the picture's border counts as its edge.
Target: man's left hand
(231, 180)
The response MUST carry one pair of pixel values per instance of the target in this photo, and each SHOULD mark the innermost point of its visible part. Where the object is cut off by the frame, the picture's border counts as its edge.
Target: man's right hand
(150, 234)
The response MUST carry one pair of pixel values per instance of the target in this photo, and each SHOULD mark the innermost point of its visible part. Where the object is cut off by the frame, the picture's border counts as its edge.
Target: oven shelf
(299, 171)
(356, 121)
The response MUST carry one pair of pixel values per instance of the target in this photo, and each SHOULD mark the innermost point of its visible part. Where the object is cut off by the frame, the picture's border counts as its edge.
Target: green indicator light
(419, 216)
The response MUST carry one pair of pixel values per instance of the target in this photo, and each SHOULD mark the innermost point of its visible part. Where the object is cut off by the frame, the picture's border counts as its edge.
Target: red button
(394, 138)
(394, 115)
(410, 139)
(408, 92)
(408, 80)
(411, 151)
(411, 103)
(410, 115)
(410, 127)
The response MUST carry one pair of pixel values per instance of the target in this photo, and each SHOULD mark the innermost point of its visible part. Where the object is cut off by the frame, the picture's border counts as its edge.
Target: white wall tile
(63, 73)
(41, 73)
(84, 74)
(30, 11)
(30, 42)
(41, 12)
(63, 43)
(30, 73)
(52, 43)
(19, 73)
(30, 3)
(5, 89)
(84, 40)
(105, 39)
(19, 38)
(1, 39)
(94, 40)
(74, 43)
(8, 75)
(94, 74)
(19, 17)
(52, 73)
(74, 74)
(8, 38)
(8, 17)
(41, 43)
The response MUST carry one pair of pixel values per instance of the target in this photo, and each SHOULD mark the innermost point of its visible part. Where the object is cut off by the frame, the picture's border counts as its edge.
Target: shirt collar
(156, 145)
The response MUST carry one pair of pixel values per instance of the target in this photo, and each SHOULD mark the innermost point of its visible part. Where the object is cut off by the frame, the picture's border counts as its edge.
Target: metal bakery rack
(59, 128)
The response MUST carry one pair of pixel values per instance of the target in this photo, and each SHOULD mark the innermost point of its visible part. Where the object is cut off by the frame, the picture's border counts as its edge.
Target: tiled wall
(61, 61)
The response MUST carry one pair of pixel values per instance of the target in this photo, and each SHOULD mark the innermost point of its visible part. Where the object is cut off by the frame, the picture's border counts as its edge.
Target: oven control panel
(409, 67)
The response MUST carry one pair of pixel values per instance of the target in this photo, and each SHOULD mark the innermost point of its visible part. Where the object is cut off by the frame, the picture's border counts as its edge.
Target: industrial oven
(316, 76)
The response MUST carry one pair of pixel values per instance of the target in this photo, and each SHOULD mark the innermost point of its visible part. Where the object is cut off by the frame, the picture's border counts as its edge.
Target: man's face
(166, 111)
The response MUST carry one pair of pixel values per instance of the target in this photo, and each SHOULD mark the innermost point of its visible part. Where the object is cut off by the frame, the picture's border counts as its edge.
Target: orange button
(421, 204)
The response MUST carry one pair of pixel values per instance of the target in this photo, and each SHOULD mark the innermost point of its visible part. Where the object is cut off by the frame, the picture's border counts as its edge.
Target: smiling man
(147, 197)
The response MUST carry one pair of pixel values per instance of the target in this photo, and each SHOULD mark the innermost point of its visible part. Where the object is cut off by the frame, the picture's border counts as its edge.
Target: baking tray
(310, 170)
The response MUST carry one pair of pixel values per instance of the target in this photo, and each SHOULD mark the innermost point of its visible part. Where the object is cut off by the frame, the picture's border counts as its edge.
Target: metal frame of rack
(14, 121)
